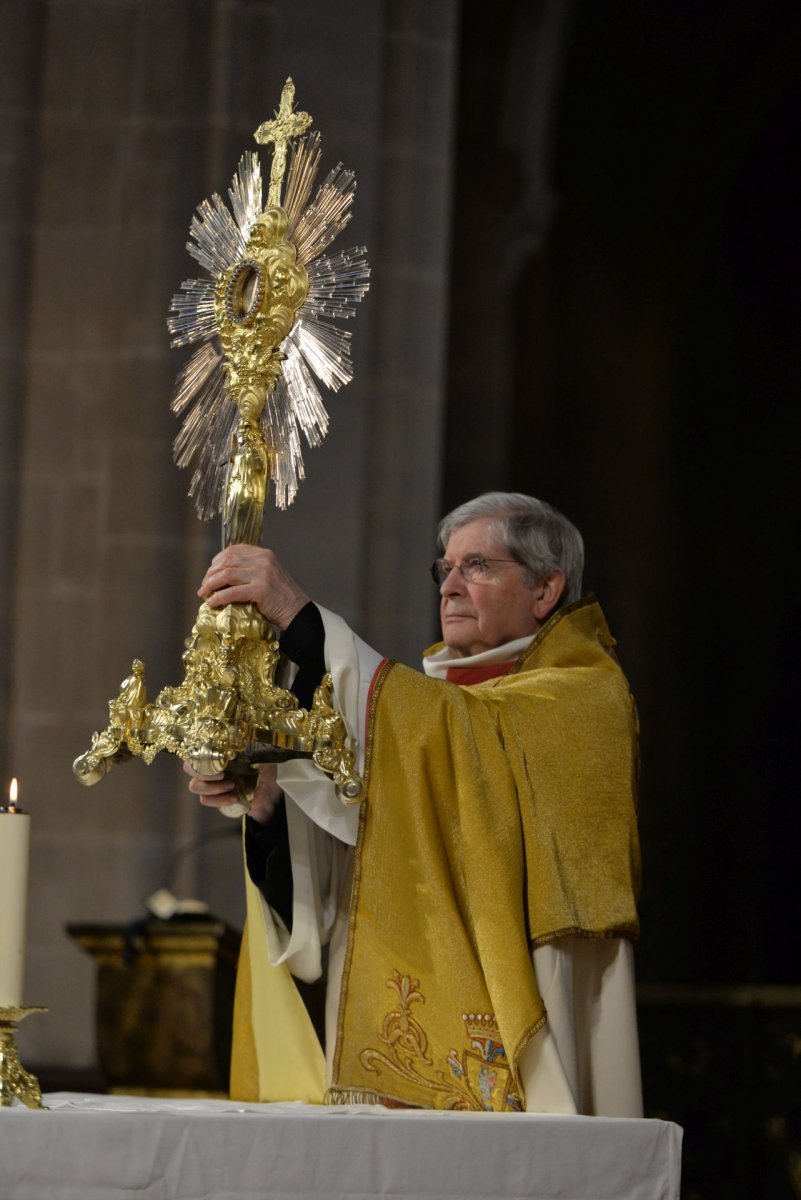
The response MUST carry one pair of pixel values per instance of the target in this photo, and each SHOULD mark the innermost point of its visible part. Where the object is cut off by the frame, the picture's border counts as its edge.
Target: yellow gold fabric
(276, 1053)
(496, 817)
(244, 1082)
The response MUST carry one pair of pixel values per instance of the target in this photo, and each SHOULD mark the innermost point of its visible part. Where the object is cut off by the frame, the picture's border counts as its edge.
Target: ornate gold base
(15, 1082)
(227, 714)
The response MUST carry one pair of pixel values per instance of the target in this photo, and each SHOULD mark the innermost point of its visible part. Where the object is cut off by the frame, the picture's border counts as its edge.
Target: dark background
(652, 369)
(624, 342)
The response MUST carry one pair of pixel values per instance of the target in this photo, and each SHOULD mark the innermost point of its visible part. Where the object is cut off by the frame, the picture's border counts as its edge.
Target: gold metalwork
(15, 1082)
(246, 486)
(229, 713)
(287, 125)
(256, 302)
(262, 262)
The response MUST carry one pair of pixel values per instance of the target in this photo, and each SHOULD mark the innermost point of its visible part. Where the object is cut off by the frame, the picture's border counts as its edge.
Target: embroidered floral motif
(480, 1077)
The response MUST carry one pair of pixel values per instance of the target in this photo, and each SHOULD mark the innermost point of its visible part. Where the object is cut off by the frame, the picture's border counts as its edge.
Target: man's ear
(548, 593)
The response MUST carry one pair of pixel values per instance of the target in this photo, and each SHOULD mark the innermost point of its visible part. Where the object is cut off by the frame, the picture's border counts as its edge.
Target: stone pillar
(409, 346)
(20, 27)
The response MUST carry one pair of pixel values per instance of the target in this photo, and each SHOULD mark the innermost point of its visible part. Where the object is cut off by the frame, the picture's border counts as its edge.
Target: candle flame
(12, 793)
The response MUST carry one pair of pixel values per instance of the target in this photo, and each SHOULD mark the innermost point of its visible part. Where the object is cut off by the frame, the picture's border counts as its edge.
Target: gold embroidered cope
(496, 818)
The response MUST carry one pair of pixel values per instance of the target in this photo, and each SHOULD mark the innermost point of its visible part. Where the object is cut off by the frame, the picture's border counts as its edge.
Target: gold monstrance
(265, 321)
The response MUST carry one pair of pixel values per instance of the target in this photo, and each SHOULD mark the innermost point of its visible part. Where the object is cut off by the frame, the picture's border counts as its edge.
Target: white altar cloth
(135, 1148)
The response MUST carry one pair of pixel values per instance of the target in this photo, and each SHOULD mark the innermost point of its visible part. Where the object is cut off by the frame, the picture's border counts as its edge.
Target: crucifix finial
(287, 124)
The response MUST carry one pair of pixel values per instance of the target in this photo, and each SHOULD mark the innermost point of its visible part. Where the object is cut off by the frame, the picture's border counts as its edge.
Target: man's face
(491, 610)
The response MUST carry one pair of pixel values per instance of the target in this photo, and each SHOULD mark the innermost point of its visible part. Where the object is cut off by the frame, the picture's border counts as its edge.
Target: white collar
(436, 665)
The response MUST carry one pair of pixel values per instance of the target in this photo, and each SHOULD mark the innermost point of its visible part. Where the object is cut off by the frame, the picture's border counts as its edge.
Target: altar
(121, 1147)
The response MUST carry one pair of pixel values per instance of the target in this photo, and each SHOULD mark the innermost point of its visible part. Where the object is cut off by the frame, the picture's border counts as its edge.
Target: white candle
(15, 830)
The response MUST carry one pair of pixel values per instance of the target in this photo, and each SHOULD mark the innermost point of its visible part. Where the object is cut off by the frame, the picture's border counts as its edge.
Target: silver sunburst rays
(314, 348)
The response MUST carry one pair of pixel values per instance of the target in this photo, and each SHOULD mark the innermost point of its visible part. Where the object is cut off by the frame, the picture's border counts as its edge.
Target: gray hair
(539, 536)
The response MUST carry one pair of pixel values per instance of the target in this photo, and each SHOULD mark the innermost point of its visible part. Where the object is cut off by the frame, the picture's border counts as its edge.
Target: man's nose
(452, 583)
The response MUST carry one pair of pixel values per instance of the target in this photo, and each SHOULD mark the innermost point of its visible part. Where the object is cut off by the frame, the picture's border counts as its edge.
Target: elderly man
(475, 915)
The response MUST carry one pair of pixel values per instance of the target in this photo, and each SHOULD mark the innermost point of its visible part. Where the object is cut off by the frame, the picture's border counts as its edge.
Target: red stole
(468, 675)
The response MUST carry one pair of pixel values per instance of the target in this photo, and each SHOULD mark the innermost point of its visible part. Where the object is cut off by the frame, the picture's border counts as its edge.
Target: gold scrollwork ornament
(228, 710)
(15, 1082)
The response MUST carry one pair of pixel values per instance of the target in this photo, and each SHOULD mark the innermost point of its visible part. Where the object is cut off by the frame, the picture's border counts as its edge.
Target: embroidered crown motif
(481, 1025)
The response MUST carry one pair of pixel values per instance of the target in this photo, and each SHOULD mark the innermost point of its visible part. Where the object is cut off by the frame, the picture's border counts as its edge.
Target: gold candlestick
(15, 1082)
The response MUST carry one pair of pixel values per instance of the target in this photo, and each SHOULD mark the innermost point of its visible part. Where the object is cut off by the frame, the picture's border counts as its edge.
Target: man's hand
(215, 791)
(253, 575)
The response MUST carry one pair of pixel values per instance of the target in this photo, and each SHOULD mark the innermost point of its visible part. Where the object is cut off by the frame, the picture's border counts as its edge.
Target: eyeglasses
(472, 570)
